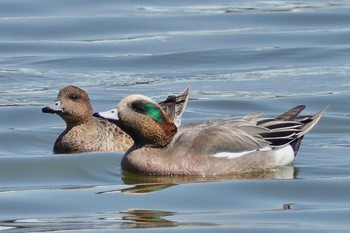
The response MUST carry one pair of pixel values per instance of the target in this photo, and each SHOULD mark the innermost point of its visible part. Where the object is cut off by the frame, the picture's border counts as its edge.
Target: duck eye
(138, 108)
(74, 97)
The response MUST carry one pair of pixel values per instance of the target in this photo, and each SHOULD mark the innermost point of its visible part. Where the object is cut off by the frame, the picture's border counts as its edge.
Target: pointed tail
(309, 121)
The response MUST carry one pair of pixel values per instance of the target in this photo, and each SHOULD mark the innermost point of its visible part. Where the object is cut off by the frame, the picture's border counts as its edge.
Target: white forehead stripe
(135, 97)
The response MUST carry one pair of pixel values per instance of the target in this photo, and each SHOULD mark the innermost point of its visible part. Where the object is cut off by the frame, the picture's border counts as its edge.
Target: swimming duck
(86, 133)
(216, 147)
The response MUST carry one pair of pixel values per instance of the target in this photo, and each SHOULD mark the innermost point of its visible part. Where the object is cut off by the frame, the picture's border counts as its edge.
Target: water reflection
(156, 219)
(285, 172)
(147, 218)
(146, 188)
(139, 189)
(133, 218)
(148, 184)
(130, 219)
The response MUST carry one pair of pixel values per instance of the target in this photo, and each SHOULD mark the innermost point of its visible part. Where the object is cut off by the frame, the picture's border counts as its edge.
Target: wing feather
(222, 136)
(246, 134)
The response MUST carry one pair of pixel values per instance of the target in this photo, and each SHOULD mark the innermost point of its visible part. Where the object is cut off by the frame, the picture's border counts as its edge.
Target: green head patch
(151, 110)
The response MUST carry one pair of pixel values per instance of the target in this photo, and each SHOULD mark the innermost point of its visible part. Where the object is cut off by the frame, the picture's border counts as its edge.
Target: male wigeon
(216, 147)
(86, 133)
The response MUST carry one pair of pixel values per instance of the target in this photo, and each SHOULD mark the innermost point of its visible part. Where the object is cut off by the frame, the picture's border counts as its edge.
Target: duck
(216, 147)
(86, 133)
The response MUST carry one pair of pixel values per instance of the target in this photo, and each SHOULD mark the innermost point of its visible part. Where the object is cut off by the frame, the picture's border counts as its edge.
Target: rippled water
(238, 57)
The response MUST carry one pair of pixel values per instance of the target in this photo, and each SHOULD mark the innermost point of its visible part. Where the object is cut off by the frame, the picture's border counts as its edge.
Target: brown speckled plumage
(84, 132)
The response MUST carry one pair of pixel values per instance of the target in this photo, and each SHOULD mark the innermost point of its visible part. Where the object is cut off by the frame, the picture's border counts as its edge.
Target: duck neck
(71, 123)
(157, 137)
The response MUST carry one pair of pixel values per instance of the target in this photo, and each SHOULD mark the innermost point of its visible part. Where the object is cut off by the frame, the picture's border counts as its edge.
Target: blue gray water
(238, 56)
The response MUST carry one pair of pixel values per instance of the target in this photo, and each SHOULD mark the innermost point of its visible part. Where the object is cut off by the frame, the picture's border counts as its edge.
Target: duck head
(72, 105)
(144, 120)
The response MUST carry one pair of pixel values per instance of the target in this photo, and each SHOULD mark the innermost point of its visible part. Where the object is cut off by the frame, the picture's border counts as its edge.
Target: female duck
(86, 133)
(217, 147)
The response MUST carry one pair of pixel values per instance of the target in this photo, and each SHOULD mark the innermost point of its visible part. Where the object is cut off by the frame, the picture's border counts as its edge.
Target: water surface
(239, 57)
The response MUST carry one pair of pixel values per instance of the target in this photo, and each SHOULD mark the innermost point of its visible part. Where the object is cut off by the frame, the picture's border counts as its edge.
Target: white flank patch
(231, 155)
(284, 156)
(266, 148)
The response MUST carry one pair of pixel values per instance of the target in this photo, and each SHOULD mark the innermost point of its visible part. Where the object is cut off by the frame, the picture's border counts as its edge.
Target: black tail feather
(296, 145)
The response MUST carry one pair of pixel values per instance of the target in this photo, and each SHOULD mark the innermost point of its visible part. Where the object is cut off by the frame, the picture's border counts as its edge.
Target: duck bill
(54, 108)
(111, 115)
